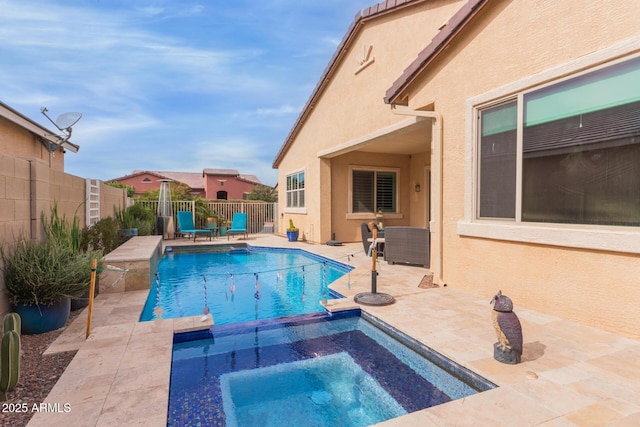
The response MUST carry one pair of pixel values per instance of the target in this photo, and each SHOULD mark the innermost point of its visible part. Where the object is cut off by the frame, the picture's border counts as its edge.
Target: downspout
(435, 225)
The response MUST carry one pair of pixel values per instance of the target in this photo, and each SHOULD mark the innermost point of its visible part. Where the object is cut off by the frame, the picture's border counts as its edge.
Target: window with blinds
(373, 190)
(295, 190)
(580, 150)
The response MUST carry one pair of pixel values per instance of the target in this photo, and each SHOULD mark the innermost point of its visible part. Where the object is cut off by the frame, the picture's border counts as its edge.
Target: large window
(295, 190)
(373, 190)
(576, 147)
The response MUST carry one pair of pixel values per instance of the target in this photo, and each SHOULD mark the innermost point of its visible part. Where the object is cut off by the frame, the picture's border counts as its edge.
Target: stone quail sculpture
(508, 349)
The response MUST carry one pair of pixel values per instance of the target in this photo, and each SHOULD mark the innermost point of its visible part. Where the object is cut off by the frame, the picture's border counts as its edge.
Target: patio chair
(238, 225)
(186, 226)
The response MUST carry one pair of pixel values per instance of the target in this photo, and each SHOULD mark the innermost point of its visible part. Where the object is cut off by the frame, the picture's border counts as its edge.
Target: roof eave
(439, 43)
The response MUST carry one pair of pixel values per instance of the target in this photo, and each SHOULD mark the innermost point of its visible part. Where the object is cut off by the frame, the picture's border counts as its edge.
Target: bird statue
(508, 349)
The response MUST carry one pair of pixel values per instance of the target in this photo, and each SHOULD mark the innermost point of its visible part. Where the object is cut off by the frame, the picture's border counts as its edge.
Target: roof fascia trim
(439, 43)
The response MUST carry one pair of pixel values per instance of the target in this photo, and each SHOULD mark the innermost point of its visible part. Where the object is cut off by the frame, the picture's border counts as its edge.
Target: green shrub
(144, 227)
(136, 216)
(103, 236)
(45, 272)
(141, 212)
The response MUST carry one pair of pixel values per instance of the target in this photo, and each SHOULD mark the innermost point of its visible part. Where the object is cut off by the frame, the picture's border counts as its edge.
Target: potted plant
(292, 232)
(125, 221)
(41, 278)
(224, 225)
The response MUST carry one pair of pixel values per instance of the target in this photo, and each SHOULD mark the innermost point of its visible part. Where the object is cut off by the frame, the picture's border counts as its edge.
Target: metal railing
(260, 215)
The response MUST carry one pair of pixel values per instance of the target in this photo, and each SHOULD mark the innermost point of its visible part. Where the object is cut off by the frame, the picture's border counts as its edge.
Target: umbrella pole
(373, 297)
(374, 258)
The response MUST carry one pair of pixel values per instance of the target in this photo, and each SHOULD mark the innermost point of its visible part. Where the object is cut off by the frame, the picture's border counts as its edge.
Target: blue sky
(169, 85)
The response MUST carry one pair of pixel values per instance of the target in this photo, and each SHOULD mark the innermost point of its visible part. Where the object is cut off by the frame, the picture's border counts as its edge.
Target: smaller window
(295, 190)
(372, 190)
(146, 180)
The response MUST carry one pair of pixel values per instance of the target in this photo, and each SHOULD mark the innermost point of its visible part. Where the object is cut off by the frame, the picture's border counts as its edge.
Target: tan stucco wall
(510, 42)
(19, 142)
(110, 199)
(350, 107)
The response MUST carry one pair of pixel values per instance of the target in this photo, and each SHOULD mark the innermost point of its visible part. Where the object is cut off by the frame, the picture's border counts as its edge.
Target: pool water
(241, 284)
(311, 370)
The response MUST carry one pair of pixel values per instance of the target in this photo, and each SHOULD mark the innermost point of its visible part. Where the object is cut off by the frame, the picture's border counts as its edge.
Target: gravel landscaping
(38, 375)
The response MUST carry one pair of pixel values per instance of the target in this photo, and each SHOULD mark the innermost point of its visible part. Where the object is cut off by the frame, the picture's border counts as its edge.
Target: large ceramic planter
(38, 319)
(83, 300)
(292, 236)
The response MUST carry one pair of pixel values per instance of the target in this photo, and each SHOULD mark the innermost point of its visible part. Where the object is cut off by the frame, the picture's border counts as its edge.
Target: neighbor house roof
(437, 45)
(230, 172)
(191, 179)
(35, 128)
(250, 178)
(359, 20)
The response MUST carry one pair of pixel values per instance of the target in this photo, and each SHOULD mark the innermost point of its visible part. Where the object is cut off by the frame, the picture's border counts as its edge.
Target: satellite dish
(66, 120)
(64, 123)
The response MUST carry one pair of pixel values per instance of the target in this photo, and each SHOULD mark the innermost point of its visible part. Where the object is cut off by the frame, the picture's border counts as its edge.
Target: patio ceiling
(410, 136)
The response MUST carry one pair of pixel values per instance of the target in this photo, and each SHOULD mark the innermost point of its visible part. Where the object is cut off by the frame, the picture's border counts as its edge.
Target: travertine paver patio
(571, 375)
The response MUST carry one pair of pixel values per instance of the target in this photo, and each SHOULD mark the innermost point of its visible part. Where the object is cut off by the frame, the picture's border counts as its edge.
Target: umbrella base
(370, 298)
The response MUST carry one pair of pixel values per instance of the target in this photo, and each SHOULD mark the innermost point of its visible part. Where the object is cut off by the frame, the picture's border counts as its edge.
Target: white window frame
(595, 237)
(369, 215)
(300, 209)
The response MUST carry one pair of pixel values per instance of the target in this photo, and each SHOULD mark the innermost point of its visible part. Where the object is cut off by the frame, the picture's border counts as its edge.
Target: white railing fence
(260, 215)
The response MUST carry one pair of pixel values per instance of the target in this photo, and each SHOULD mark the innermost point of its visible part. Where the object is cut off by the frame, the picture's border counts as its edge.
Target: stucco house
(212, 184)
(509, 129)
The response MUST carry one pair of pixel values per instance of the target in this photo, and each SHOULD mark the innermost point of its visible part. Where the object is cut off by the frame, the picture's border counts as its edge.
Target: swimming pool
(342, 370)
(240, 283)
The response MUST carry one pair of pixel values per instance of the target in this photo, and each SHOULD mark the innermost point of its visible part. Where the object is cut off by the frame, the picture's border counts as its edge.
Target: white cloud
(218, 82)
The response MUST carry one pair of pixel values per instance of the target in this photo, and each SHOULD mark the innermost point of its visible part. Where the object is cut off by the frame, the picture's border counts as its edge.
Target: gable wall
(352, 106)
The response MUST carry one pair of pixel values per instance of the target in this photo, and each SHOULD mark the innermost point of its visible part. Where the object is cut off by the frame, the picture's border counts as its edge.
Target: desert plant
(102, 236)
(291, 226)
(141, 212)
(144, 227)
(143, 219)
(43, 273)
(202, 210)
(10, 355)
(124, 219)
(58, 229)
